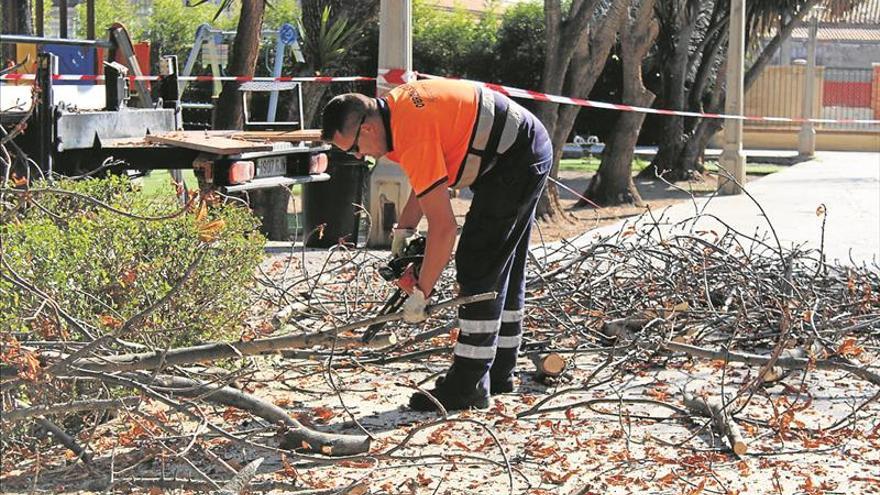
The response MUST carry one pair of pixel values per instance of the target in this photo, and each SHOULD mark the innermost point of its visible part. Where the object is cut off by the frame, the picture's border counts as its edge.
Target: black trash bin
(331, 203)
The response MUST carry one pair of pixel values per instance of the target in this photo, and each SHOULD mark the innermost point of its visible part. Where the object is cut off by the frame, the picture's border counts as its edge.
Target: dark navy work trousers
(492, 253)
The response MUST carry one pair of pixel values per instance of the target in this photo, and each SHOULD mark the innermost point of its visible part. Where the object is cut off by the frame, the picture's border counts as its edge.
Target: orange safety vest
(447, 131)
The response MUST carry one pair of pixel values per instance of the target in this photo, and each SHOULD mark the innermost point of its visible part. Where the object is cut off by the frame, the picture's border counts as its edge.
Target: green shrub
(103, 267)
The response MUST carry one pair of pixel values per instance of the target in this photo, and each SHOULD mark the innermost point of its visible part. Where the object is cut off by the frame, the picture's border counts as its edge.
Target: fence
(838, 94)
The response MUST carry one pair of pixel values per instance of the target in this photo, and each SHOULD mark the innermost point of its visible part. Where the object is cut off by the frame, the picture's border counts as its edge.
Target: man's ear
(369, 127)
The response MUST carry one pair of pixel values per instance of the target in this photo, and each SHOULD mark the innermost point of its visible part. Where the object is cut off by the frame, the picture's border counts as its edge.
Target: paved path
(848, 184)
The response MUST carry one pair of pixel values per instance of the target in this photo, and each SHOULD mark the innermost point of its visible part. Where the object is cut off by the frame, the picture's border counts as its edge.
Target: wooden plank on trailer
(275, 136)
(209, 143)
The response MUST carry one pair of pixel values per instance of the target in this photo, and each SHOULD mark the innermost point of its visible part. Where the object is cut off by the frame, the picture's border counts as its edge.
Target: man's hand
(399, 240)
(414, 307)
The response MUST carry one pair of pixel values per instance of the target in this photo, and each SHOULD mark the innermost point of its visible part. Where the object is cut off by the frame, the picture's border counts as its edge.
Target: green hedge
(103, 267)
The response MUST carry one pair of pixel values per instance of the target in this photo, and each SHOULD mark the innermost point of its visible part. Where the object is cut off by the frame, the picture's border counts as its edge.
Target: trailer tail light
(241, 172)
(318, 163)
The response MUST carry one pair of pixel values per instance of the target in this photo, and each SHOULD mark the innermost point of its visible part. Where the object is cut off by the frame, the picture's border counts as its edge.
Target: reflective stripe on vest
(490, 124)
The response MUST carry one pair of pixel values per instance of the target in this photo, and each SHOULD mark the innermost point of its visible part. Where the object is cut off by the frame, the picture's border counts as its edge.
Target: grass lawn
(159, 182)
(591, 164)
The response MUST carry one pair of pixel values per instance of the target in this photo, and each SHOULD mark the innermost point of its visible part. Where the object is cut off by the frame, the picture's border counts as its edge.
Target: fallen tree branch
(793, 363)
(14, 415)
(713, 407)
(303, 438)
(56, 432)
(239, 483)
(215, 351)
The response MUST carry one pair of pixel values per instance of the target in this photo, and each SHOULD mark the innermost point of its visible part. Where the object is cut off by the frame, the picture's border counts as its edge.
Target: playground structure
(89, 129)
(212, 45)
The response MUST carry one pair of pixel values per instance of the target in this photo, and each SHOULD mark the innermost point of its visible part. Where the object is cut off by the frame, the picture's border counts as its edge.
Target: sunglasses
(353, 150)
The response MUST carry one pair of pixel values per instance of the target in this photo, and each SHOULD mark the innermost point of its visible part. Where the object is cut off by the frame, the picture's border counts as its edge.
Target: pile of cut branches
(647, 297)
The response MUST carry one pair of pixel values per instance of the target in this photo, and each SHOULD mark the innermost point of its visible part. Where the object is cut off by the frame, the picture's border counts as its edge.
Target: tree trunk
(682, 24)
(243, 62)
(613, 183)
(681, 153)
(576, 76)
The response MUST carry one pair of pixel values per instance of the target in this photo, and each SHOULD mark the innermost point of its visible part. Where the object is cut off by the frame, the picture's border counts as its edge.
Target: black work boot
(459, 389)
(501, 374)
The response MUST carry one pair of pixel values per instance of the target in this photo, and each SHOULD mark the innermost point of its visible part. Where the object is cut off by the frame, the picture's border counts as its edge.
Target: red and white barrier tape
(388, 79)
(69, 77)
(535, 95)
(399, 76)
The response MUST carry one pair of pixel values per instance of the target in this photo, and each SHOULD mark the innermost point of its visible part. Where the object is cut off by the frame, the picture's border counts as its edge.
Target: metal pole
(40, 40)
(389, 187)
(732, 158)
(807, 135)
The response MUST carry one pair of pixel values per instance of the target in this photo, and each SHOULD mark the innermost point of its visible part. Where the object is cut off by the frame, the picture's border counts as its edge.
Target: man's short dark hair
(341, 113)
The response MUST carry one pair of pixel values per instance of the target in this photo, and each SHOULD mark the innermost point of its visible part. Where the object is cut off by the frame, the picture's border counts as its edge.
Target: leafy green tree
(519, 46)
(172, 29)
(279, 12)
(106, 13)
(691, 56)
(455, 43)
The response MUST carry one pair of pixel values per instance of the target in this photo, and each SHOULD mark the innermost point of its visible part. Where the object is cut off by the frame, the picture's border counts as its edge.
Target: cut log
(550, 365)
(240, 482)
(712, 407)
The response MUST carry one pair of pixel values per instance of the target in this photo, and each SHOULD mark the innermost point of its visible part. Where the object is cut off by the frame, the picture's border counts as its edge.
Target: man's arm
(441, 235)
(411, 213)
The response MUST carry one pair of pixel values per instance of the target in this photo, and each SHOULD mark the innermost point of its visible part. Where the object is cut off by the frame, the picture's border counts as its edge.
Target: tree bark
(576, 52)
(681, 151)
(679, 22)
(613, 183)
(243, 62)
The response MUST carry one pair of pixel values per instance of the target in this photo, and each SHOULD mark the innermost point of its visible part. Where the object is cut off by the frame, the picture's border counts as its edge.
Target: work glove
(399, 239)
(414, 307)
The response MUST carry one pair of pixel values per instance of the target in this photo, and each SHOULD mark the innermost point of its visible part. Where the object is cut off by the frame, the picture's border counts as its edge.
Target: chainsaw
(404, 271)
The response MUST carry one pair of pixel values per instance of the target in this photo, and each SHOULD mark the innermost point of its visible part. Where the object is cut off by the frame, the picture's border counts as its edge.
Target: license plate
(271, 166)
